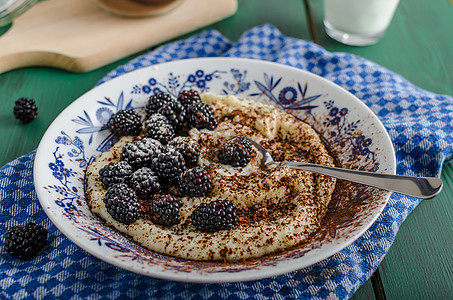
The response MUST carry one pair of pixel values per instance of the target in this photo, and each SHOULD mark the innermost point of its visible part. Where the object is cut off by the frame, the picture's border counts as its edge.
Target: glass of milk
(358, 22)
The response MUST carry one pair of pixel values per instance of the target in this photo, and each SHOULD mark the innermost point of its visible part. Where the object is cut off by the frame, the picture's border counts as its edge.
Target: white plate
(350, 129)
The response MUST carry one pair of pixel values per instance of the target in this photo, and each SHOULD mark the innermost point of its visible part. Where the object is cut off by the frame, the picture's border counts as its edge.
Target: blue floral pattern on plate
(338, 127)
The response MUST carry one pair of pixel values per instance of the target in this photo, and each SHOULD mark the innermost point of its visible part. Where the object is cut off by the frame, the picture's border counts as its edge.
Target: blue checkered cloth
(419, 123)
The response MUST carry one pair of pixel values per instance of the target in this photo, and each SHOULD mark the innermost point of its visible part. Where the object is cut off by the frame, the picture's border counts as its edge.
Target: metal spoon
(420, 187)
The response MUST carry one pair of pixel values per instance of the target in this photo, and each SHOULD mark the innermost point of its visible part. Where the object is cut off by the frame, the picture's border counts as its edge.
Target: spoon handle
(420, 187)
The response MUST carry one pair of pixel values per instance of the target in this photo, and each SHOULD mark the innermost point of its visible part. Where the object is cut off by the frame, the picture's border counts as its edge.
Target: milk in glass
(358, 22)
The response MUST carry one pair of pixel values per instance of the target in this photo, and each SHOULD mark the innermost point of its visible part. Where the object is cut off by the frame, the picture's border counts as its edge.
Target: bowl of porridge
(150, 171)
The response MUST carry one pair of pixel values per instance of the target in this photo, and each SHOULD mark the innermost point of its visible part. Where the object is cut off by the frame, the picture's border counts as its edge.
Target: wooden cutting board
(78, 36)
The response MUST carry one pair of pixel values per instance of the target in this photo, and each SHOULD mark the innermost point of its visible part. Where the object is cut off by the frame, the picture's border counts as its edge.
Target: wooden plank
(364, 292)
(419, 264)
(378, 287)
(78, 36)
(288, 18)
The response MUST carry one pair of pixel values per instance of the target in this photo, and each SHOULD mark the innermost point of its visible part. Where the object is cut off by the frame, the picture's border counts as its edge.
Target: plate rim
(181, 276)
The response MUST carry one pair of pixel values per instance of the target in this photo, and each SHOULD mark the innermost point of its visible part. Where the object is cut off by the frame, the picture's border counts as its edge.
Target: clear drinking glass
(358, 22)
(11, 9)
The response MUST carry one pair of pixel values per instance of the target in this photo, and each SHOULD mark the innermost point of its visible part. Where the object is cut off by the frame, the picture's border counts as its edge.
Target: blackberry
(122, 203)
(156, 101)
(114, 173)
(145, 183)
(236, 152)
(168, 165)
(25, 109)
(188, 97)
(159, 119)
(125, 122)
(25, 241)
(188, 147)
(164, 210)
(175, 113)
(141, 152)
(214, 216)
(159, 128)
(200, 115)
(195, 182)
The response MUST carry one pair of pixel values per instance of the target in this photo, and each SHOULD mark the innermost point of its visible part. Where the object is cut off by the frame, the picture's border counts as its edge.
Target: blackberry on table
(145, 183)
(200, 115)
(114, 173)
(159, 128)
(168, 165)
(25, 109)
(156, 101)
(188, 97)
(236, 152)
(195, 182)
(164, 210)
(25, 242)
(125, 122)
(141, 152)
(122, 203)
(188, 147)
(214, 216)
(175, 113)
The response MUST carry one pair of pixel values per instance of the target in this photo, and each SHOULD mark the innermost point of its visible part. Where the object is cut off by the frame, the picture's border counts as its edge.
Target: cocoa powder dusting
(277, 211)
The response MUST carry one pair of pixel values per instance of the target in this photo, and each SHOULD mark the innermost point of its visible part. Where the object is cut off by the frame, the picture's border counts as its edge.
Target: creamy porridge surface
(276, 209)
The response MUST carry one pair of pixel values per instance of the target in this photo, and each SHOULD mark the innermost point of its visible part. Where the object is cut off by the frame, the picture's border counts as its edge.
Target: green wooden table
(418, 45)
